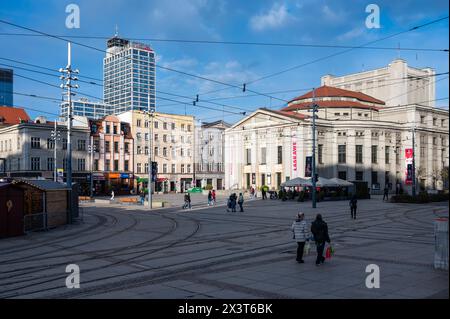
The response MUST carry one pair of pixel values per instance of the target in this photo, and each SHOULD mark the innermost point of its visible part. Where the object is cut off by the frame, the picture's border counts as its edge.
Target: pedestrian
(214, 196)
(241, 202)
(263, 192)
(252, 192)
(210, 198)
(112, 195)
(187, 201)
(142, 197)
(319, 229)
(386, 193)
(233, 202)
(229, 203)
(353, 203)
(301, 235)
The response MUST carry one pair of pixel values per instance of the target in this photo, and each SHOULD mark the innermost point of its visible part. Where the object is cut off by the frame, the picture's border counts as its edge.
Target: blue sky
(289, 21)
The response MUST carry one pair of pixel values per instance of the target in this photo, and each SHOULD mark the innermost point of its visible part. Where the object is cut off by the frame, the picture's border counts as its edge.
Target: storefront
(121, 183)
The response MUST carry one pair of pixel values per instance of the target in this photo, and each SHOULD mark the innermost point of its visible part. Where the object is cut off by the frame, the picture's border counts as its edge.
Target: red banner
(294, 156)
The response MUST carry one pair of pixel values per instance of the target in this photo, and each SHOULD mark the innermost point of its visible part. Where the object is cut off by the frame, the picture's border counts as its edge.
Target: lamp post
(91, 149)
(67, 77)
(56, 136)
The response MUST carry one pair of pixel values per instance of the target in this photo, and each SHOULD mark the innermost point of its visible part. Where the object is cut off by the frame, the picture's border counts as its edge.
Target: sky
(289, 21)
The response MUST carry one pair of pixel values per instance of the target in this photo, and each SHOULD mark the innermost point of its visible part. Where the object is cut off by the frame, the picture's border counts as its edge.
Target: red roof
(13, 115)
(329, 91)
(330, 104)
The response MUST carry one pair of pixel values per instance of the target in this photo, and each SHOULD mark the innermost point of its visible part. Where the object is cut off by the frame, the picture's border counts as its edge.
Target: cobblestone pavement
(130, 252)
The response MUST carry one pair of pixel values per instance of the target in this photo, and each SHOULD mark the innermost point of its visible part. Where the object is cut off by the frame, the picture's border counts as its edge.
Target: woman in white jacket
(301, 235)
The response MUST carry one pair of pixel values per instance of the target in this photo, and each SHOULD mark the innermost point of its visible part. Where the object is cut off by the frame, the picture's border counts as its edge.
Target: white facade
(396, 84)
(209, 154)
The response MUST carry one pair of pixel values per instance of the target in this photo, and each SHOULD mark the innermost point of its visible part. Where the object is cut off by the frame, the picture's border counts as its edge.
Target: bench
(129, 200)
(83, 198)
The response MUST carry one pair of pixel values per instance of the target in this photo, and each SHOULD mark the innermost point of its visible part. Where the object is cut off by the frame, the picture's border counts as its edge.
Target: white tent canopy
(341, 182)
(298, 181)
(322, 182)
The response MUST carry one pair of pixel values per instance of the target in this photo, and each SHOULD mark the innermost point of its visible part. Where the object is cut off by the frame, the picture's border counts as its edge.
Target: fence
(441, 243)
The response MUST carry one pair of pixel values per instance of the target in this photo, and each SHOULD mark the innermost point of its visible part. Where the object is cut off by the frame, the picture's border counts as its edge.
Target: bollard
(441, 243)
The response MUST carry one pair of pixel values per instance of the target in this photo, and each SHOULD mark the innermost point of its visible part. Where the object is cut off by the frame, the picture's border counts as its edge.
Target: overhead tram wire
(345, 51)
(302, 45)
(93, 83)
(156, 65)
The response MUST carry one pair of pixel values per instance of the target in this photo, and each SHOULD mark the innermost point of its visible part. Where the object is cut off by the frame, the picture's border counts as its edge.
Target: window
(434, 140)
(96, 145)
(173, 126)
(138, 168)
(443, 122)
(320, 153)
(156, 124)
(386, 154)
(164, 168)
(248, 156)
(263, 156)
(96, 165)
(50, 164)
(146, 150)
(359, 154)
(114, 129)
(81, 164)
(165, 151)
(165, 138)
(359, 175)
(146, 168)
(374, 154)
(146, 124)
(81, 145)
(165, 125)
(116, 147)
(434, 121)
(138, 123)
(146, 136)
(127, 147)
(182, 168)
(156, 137)
(182, 139)
(156, 151)
(342, 175)
(138, 150)
(116, 165)
(280, 155)
(422, 119)
(173, 169)
(35, 142)
(108, 129)
(342, 154)
(107, 165)
(126, 166)
(50, 143)
(374, 177)
(138, 136)
(189, 128)
(182, 127)
(188, 168)
(35, 163)
(107, 147)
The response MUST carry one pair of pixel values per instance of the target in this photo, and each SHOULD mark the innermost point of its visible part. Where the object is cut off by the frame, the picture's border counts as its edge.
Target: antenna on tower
(116, 34)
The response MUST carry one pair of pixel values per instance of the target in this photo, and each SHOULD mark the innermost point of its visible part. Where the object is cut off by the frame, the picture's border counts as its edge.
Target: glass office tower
(6, 87)
(128, 76)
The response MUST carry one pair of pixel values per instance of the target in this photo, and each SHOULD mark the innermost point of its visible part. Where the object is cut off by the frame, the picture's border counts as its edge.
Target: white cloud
(277, 17)
(353, 33)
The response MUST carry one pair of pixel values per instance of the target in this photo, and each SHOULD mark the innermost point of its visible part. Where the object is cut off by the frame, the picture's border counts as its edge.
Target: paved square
(130, 252)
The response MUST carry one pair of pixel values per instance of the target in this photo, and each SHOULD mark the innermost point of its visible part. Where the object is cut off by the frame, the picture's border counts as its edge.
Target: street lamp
(91, 149)
(55, 136)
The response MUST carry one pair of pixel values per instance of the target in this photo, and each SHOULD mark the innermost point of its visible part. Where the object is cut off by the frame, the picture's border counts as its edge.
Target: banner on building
(254, 178)
(409, 153)
(294, 156)
(308, 166)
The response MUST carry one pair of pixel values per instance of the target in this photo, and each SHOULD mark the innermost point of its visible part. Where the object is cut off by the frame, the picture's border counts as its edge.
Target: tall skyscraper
(128, 76)
(6, 87)
(84, 107)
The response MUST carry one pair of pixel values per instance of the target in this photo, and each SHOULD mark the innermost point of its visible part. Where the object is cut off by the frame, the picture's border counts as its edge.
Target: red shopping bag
(328, 253)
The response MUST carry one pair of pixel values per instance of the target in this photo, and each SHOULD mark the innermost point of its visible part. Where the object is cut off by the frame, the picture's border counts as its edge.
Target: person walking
(233, 202)
(210, 198)
(263, 192)
(386, 193)
(142, 197)
(301, 235)
(214, 196)
(241, 202)
(112, 195)
(319, 229)
(353, 203)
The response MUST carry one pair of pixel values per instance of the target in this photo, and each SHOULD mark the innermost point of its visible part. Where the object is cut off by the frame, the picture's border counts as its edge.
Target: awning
(298, 181)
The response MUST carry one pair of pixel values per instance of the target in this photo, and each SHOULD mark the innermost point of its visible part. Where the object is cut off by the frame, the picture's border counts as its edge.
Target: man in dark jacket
(319, 229)
(353, 203)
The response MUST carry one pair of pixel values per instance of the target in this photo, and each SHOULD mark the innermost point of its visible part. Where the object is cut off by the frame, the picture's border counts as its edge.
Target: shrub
(208, 187)
(421, 198)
